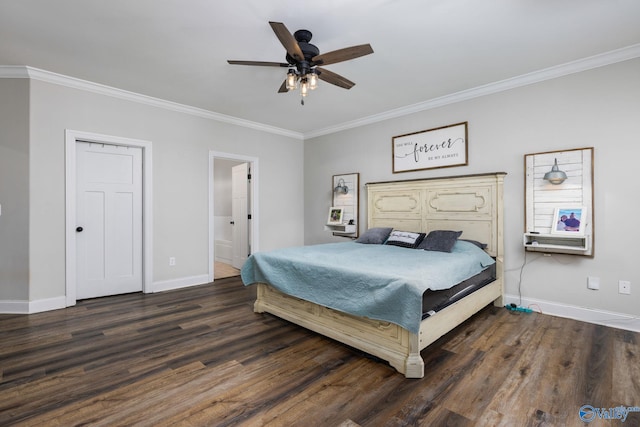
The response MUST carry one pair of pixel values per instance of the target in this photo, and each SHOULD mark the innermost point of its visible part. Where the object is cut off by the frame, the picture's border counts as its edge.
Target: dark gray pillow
(475, 242)
(440, 240)
(375, 236)
(405, 239)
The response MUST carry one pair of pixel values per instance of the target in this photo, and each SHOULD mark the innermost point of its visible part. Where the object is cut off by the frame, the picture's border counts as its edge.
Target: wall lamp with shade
(555, 176)
(341, 188)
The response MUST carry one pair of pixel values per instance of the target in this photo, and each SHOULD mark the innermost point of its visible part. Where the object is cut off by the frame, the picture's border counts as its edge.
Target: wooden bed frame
(473, 204)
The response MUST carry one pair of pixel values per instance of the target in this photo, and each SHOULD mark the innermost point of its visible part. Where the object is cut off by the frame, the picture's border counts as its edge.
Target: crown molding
(584, 64)
(26, 72)
(14, 72)
(577, 66)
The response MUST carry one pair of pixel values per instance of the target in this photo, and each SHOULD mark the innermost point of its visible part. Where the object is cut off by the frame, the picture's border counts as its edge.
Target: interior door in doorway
(109, 220)
(240, 214)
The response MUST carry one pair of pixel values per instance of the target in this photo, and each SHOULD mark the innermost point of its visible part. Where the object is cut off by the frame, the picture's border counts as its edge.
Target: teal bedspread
(380, 282)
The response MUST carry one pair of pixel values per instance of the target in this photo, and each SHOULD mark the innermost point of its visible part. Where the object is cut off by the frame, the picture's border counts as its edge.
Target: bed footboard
(385, 340)
(388, 341)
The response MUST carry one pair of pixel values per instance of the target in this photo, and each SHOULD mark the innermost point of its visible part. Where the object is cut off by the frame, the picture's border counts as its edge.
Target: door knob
(79, 229)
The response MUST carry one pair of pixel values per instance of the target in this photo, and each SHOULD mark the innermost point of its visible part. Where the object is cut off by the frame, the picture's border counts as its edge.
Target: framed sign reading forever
(441, 147)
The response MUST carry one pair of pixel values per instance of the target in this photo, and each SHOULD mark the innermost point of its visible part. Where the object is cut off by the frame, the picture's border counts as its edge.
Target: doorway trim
(72, 137)
(254, 239)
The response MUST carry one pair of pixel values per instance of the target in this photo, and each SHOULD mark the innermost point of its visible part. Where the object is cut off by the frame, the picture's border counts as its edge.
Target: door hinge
(249, 216)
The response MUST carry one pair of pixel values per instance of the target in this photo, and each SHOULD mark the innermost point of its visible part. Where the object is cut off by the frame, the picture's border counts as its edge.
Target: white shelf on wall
(539, 242)
(341, 229)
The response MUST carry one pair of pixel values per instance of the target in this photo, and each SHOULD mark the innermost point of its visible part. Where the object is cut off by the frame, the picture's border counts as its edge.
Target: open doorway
(232, 213)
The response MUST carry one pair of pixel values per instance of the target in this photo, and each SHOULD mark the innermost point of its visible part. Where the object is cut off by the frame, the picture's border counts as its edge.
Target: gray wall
(599, 108)
(14, 189)
(181, 144)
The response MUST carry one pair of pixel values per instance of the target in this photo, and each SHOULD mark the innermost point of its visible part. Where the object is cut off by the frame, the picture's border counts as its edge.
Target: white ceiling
(424, 50)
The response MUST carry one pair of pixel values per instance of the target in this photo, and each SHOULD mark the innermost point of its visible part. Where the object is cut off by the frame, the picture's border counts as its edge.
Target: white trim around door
(71, 138)
(254, 236)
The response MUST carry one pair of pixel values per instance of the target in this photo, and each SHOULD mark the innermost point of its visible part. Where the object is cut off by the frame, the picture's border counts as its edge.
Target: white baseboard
(30, 307)
(38, 306)
(599, 317)
(183, 282)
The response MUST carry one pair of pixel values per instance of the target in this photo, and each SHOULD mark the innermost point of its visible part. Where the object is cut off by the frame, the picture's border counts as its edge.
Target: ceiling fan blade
(259, 63)
(334, 79)
(283, 87)
(343, 54)
(288, 41)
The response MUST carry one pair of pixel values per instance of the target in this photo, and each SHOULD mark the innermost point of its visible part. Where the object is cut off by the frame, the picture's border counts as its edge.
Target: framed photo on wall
(335, 216)
(569, 220)
(441, 147)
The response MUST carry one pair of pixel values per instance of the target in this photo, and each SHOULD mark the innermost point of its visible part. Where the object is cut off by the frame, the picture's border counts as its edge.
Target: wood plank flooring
(201, 357)
(223, 270)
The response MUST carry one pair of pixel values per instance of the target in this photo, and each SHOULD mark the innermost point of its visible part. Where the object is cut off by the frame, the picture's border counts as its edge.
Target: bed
(472, 204)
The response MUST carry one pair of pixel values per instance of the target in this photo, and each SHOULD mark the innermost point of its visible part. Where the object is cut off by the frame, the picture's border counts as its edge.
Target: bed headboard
(472, 204)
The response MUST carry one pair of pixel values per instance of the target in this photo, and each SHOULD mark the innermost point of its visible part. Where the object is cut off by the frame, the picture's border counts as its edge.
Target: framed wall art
(442, 147)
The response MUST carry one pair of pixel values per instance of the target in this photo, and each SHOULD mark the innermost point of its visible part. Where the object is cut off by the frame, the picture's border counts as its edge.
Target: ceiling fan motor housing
(308, 50)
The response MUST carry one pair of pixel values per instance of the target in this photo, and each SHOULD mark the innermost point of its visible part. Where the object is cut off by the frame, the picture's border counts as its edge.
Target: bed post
(258, 306)
(499, 215)
(414, 365)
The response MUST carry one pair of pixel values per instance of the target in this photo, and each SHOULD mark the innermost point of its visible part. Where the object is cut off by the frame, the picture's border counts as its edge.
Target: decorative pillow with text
(406, 239)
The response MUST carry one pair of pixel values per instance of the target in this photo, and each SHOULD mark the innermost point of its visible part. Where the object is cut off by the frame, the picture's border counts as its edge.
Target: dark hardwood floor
(201, 357)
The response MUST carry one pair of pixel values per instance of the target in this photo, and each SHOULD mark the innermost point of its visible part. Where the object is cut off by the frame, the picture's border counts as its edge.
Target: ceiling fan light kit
(307, 81)
(303, 60)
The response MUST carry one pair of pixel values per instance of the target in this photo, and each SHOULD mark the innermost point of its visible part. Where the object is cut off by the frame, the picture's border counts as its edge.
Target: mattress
(434, 301)
(381, 282)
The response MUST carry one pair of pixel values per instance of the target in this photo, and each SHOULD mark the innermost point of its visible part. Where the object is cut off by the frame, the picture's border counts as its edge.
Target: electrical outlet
(172, 261)
(624, 287)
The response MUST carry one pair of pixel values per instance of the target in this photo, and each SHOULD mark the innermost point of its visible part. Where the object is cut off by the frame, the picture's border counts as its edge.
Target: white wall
(222, 213)
(181, 144)
(222, 196)
(599, 108)
(222, 186)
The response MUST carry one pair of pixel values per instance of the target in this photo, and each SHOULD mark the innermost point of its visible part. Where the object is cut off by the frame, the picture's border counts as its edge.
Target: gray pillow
(375, 236)
(439, 240)
(475, 242)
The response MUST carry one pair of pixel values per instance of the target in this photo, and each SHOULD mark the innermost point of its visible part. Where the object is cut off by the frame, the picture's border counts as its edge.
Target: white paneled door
(108, 220)
(240, 214)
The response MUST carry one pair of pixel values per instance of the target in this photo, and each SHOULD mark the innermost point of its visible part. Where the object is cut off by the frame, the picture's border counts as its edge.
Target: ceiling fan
(304, 60)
